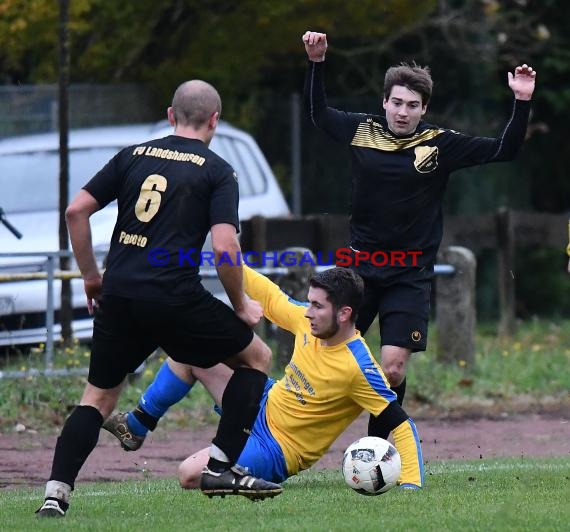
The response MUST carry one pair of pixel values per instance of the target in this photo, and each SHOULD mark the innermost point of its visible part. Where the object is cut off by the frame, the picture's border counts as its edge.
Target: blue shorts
(262, 454)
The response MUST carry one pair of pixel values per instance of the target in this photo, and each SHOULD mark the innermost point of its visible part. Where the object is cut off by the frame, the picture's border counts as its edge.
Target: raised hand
(315, 45)
(522, 82)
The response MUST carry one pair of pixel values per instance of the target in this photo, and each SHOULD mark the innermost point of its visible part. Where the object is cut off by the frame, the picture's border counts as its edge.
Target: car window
(239, 154)
(30, 181)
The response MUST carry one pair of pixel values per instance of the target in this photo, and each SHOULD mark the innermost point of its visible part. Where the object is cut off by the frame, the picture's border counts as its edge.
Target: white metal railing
(51, 274)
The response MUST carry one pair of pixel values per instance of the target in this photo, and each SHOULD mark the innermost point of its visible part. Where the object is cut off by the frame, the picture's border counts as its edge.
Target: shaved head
(194, 102)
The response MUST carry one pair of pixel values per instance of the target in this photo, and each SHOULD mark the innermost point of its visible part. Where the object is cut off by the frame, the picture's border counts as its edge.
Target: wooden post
(258, 234)
(332, 233)
(506, 279)
(455, 307)
(66, 307)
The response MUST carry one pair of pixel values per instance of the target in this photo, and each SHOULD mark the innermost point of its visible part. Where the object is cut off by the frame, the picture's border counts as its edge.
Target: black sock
(145, 418)
(240, 406)
(78, 438)
(400, 391)
(217, 466)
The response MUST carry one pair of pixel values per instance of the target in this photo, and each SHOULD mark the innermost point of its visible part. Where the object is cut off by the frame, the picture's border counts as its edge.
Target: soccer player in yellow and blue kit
(331, 378)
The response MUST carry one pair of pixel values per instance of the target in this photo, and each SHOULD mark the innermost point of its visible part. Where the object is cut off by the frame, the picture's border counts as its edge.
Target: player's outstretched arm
(277, 307)
(393, 419)
(407, 442)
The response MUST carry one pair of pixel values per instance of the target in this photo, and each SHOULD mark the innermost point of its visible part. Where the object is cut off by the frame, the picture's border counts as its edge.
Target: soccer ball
(371, 466)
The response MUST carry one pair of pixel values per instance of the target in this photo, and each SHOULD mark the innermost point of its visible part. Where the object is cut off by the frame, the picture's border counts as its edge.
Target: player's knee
(257, 355)
(395, 377)
(183, 371)
(265, 358)
(394, 369)
(187, 478)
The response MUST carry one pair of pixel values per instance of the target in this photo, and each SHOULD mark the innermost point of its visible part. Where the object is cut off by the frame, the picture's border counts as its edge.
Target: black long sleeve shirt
(398, 183)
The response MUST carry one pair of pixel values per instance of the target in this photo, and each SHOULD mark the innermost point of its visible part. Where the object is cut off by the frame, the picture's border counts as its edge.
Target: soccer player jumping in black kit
(170, 193)
(400, 168)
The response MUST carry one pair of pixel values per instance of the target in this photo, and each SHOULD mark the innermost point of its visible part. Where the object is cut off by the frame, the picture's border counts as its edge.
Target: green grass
(42, 403)
(531, 368)
(488, 495)
(498, 495)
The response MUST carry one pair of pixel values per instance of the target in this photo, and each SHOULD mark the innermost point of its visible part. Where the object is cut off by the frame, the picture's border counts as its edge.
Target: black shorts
(402, 304)
(202, 332)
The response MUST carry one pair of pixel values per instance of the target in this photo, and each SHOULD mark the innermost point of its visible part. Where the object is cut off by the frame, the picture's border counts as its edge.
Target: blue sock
(165, 390)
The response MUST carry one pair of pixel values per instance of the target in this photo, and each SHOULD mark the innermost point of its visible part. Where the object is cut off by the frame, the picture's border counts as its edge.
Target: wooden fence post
(455, 307)
(506, 280)
(258, 234)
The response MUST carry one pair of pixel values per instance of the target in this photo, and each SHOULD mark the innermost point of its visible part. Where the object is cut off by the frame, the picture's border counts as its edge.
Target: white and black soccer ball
(371, 466)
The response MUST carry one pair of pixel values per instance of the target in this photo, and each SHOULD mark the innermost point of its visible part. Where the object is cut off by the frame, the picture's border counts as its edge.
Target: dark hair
(412, 76)
(343, 287)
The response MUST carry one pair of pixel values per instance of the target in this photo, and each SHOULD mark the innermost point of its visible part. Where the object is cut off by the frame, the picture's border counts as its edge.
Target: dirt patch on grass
(454, 434)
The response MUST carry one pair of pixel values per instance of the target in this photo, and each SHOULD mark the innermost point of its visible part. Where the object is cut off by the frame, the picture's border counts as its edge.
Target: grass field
(499, 495)
(491, 495)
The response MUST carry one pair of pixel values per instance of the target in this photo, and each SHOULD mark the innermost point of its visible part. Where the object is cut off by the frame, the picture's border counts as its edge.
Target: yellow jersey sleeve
(277, 306)
(407, 442)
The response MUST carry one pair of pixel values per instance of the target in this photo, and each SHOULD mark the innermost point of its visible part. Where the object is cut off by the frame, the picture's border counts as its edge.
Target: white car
(29, 181)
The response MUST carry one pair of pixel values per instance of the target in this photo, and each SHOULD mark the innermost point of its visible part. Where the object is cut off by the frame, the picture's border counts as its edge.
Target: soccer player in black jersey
(170, 193)
(400, 168)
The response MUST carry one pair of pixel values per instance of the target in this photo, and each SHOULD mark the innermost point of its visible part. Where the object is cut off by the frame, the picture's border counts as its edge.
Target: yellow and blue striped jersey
(324, 388)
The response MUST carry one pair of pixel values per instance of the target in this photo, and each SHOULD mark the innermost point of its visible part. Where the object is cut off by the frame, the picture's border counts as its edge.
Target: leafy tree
(29, 38)
(251, 50)
(241, 47)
